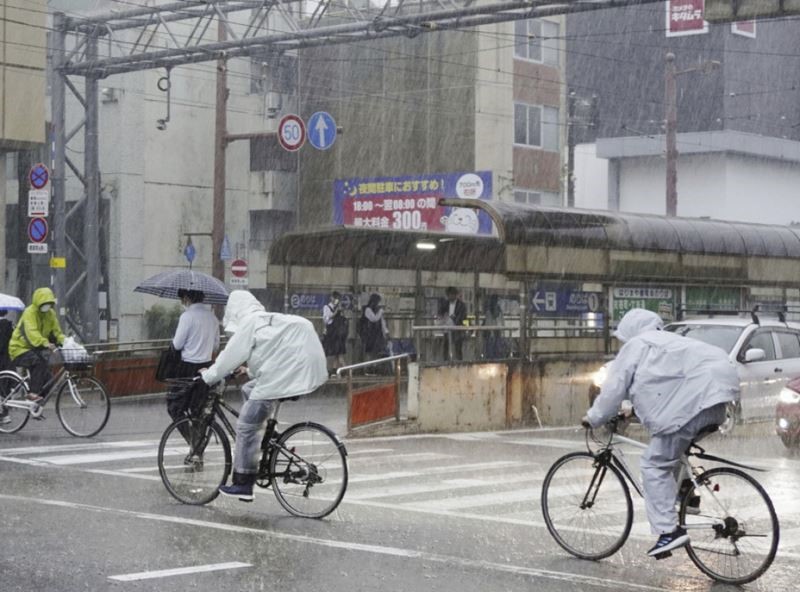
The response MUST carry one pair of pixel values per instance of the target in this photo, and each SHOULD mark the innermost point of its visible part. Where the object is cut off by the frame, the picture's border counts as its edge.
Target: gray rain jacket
(283, 352)
(668, 378)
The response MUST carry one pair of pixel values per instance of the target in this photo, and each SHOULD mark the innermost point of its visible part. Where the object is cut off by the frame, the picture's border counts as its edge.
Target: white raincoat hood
(668, 378)
(635, 322)
(241, 303)
(283, 352)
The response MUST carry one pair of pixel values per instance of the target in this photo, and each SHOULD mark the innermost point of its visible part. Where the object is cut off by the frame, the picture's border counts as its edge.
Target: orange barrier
(373, 404)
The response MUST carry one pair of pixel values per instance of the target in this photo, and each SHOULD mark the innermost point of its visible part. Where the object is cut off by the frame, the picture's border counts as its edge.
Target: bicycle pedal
(664, 555)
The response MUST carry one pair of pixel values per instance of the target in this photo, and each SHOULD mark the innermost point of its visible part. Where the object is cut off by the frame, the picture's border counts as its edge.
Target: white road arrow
(321, 128)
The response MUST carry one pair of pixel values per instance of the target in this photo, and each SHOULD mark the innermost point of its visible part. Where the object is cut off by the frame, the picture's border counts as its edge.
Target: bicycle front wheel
(587, 507)
(308, 470)
(194, 459)
(14, 410)
(82, 406)
(735, 535)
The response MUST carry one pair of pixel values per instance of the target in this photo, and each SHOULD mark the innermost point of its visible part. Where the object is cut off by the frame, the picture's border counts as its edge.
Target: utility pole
(670, 104)
(220, 141)
(571, 99)
(671, 123)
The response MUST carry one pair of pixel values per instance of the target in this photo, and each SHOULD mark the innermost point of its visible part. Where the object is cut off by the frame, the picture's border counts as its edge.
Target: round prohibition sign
(39, 176)
(37, 230)
(291, 132)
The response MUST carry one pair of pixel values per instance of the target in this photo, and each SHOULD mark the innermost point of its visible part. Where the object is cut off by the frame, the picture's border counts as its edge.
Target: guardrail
(376, 402)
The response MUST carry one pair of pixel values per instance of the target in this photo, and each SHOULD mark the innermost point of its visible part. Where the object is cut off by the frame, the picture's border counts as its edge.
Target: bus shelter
(562, 277)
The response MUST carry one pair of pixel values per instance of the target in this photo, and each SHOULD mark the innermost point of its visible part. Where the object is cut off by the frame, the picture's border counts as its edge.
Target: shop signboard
(412, 202)
(699, 298)
(656, 299)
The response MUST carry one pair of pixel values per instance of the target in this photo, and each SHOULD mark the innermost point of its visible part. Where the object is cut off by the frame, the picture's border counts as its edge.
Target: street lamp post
(671, 124)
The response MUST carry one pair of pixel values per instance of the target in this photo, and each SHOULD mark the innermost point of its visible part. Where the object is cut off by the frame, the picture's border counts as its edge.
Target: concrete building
(738, 113)
(490, 99)
(22, 121)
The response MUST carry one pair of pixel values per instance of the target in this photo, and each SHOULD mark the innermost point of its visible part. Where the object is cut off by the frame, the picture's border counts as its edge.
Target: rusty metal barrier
(377, 402)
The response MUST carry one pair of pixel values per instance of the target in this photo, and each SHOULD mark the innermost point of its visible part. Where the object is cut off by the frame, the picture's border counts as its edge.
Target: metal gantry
(253, 28)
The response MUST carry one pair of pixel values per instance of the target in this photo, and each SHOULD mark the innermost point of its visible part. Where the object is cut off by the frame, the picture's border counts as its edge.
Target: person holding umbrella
(197, 338)
(38, 329)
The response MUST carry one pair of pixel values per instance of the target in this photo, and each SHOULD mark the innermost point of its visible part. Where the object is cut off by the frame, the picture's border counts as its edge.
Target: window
(790, 344)
(537, 198)
(762, 340)
(536, 126)
(537, 41)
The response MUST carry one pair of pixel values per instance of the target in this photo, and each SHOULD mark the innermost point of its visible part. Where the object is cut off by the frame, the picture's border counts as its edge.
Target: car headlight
(789, 396)
(599, 377)
(783, 423)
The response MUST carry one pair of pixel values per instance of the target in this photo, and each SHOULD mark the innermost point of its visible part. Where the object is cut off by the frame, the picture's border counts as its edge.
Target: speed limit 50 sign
(291, 132)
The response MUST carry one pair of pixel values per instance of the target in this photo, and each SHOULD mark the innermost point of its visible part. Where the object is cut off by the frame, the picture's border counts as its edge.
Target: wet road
(454, 513)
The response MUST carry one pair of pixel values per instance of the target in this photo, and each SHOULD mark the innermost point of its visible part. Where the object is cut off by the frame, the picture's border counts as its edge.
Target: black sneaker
(669, 542)
(243, 492)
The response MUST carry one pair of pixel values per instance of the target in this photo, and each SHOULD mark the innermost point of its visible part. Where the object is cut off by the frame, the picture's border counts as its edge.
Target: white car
(766, 354)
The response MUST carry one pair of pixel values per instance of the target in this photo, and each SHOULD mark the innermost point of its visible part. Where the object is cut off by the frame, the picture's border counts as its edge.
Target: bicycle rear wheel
(587, 508)
(735, 536)
(14, 410)
(193, 473)
(82, 406)
(308, 470)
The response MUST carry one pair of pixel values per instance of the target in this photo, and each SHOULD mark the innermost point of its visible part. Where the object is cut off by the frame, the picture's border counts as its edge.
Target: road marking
(439, 470)
(452, 560)
(76, 447)
(178, 571)
(446, 485)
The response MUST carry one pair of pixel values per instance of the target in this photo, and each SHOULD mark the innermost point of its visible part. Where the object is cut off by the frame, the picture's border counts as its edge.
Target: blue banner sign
(563, 300)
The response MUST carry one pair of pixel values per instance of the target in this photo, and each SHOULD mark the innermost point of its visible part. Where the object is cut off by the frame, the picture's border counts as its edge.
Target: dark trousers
(37, 365)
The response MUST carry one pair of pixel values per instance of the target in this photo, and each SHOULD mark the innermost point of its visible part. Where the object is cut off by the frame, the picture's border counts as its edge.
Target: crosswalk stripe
(446, 485)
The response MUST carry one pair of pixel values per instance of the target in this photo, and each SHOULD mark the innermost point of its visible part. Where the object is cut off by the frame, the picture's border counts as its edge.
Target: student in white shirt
(197, 338)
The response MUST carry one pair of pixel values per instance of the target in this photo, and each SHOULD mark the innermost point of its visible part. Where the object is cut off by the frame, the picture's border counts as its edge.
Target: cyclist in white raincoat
(678, 386)
(285, 359)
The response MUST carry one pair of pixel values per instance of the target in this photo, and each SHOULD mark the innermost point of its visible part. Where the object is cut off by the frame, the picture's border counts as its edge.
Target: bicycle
(82, 403)
(306, 458)
(588, 510)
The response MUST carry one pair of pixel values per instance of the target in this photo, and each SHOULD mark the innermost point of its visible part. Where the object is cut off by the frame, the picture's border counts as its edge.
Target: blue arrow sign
(189, 251)
(321, 130)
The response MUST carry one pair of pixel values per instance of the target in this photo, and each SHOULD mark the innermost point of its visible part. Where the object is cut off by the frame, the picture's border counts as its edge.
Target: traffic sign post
(38, 203)
(291, 132)
(39, 176)
(37, 230)
(321, 130)
(239, 273)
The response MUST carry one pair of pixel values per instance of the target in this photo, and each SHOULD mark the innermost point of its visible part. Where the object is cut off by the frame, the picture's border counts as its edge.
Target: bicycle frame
(610, 455)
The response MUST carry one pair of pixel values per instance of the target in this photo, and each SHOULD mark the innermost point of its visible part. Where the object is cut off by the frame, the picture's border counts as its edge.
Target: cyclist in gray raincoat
(283, 356)
(678, 386)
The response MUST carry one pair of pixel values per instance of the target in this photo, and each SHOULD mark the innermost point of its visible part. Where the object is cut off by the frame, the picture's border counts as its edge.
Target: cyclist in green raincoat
(38, 329)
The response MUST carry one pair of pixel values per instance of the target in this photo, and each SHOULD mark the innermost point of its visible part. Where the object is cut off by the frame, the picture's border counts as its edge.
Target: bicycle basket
(75, 359)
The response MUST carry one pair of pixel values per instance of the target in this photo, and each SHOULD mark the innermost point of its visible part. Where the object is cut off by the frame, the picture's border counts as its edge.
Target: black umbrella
(166, 284)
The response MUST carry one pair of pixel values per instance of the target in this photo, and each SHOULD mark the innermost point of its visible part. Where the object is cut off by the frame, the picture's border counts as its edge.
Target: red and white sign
(685, 17)
(744, 28)
(291, 132)
(239, 268)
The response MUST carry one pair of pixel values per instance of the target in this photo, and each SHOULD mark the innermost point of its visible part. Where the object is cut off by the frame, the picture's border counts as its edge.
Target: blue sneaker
(243, 492)
(669, 542)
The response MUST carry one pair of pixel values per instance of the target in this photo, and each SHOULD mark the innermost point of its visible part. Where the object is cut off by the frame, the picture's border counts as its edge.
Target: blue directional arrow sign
(321, 130)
